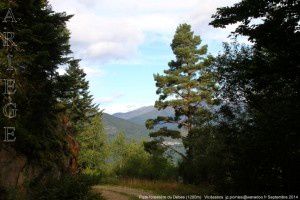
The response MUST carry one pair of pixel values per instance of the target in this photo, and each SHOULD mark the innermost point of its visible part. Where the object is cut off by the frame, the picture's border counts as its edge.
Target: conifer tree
(94, 147)
(42, 42)
(79, 103)
(187, 86)
(264, 146)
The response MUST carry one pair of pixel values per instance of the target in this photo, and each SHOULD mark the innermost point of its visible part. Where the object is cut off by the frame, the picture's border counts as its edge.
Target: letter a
(9, 16)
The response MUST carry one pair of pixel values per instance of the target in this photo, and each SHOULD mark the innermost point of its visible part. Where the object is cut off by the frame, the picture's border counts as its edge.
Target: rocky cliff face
(12, 168)
(15, 170)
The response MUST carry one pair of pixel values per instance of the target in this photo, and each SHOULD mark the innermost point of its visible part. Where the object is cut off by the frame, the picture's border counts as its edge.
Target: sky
(122, 43)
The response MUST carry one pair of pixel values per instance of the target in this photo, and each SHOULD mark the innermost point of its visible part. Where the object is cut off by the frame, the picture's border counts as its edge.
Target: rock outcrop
(15, 169)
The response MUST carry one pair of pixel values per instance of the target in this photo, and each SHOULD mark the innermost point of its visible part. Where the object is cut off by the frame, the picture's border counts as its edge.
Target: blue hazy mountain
(141, 115)
(132, 123)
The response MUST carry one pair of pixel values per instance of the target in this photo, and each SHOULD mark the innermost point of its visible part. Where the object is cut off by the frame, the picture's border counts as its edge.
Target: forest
(235, 114)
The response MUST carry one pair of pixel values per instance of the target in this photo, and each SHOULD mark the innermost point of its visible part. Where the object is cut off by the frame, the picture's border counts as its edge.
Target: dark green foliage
(261, 125)
(187, 85)
(93, 147)
(151, 167)
(130, 160)
(188, 79)
(11, 194)
(278, 30)
(259, 120)
(76, 98)
(67, 188)
(43, 45)
(251, 144)
(271, 70)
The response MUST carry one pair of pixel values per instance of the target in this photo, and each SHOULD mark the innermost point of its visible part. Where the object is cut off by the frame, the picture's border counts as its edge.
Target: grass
(165, 187)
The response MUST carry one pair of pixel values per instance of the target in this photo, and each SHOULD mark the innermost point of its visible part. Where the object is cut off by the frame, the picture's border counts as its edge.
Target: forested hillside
(114, 125)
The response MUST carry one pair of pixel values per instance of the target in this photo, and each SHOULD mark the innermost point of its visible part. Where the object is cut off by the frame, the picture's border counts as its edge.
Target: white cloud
(114, 103)
(123, 107)
(115, 30)
(105, 38)
(93, 72)
(90, 71)
(107, 30)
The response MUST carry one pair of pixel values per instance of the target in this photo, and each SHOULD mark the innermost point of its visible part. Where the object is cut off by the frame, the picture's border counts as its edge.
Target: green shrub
(67, 188)
(11, 194)
(92, 179)
(137, 163)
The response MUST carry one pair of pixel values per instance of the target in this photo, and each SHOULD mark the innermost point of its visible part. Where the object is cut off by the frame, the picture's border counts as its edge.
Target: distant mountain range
(135, 113)
(132, 123)
(141, 115)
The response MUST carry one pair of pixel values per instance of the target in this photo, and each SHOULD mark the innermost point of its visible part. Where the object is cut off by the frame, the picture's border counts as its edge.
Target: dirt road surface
(110, 192)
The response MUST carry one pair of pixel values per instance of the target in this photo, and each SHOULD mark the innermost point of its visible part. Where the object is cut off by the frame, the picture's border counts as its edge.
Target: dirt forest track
(119, 192)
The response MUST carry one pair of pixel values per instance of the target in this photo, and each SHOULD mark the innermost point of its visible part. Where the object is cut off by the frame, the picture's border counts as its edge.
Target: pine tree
(78, 101)
(187, 86)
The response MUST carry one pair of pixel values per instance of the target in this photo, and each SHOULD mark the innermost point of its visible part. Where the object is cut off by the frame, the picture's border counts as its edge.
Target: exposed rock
(74, 150)
(15, 169)
(11, 168)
